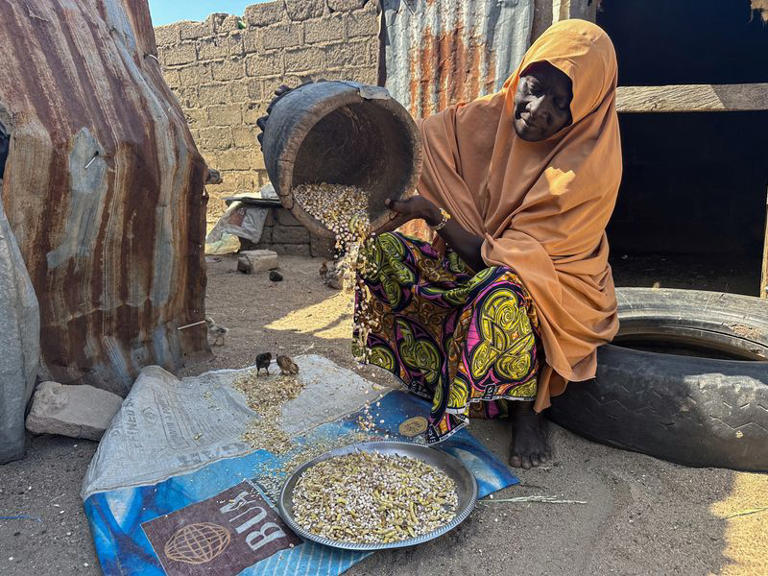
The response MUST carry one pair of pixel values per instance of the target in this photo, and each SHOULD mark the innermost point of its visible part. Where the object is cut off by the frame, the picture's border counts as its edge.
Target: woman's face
(542, 102)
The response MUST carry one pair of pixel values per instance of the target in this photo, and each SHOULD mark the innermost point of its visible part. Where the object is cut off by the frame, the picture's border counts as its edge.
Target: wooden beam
(764, 281)
(692, 98)
(548, 12)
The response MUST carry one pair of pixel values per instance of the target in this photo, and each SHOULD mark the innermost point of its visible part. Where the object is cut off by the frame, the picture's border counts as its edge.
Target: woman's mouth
(528, 122)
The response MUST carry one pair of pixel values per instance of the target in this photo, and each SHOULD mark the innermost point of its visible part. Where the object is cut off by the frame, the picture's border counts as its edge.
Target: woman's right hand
(262, 122)
(413, 208)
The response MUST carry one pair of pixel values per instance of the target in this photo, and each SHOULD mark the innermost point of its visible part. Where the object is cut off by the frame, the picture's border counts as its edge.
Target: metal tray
(466, 490)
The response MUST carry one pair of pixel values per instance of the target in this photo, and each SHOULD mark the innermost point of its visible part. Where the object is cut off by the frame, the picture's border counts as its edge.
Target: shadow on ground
(642, 516)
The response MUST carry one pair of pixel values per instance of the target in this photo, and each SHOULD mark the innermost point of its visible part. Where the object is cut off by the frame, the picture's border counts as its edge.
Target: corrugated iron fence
(440, 52)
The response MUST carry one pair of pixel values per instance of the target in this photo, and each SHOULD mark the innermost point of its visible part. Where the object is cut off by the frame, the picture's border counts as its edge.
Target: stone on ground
(250, 261)
(74, 411)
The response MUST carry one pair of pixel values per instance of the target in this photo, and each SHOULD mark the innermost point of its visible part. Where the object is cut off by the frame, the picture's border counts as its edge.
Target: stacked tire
(685, 380)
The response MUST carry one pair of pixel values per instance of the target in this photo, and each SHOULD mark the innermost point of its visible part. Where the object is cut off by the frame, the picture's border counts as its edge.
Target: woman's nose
(538, 109)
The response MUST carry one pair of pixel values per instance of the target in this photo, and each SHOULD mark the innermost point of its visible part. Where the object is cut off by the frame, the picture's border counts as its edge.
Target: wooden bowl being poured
(342, 133)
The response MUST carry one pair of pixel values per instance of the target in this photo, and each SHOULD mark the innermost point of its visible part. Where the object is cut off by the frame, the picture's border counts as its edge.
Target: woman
(519, 186)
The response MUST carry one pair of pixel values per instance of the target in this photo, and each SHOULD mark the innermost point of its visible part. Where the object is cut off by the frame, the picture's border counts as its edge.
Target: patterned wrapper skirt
(467, 342)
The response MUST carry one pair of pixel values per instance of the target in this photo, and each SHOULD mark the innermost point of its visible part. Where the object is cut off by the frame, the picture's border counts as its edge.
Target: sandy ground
(642, 515)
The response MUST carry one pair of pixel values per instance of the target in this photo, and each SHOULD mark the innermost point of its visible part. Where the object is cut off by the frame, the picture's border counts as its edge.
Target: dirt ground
(642, 516)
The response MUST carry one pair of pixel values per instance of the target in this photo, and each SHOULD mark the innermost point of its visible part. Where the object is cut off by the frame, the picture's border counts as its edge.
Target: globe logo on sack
(197, 543)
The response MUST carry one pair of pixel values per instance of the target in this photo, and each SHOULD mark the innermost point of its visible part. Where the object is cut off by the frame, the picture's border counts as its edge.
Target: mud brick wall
(224, 71)
(286, 235)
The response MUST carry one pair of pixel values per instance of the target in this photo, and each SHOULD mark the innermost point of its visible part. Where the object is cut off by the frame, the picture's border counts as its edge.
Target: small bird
(287, 366)
(263, 361)
(216, 332)
(213, 177)
(330, 275)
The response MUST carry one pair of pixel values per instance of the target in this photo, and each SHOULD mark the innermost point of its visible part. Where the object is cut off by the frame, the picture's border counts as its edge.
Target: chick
(263, 361)
(287, 366)
(213, 177)
(216, 332)
(330, 275)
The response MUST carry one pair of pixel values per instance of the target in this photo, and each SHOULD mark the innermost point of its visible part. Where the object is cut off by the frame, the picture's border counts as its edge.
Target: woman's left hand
(413, 208)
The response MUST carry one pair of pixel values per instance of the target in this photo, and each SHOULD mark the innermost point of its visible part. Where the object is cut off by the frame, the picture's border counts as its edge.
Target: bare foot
(530, 442)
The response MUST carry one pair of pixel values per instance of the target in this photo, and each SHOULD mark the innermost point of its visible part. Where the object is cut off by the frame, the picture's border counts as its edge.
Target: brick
(211, 49)
(254, 89)
(253, 111)
(282, 36)
(252, 41)
(187, 96)
(290, 235)
(196, 117)
(265, 14)
(285, 218)
(228, 115)
(304, 9)
(235, 159)
(271, 84)
(320, 247)
(244, 181)
(374, 51)
(233, 43)
(229, 24)
(232, 160)
(345, 5)
(169, 34)
(257, 160)
(266, 234)
(346, 55)
(74, 411)
(364, 75)
(362, 23)
(245, 137)
(215, 138)
(171, 78)
(304, 60)
(195, 74)
(245, 90)
(227, 70)
(195, 30)
(328, 29)
(182, 54)
(269, 64)
(223, 190)
(215, 21)
(211, 94)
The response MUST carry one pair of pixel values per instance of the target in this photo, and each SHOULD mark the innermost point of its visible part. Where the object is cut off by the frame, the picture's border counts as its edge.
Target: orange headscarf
(542, 207)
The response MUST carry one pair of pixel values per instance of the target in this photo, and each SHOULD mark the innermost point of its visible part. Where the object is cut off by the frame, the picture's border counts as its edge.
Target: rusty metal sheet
(103, 188)
(441, 52)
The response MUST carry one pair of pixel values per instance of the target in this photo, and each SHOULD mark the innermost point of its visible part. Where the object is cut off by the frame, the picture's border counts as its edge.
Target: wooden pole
(764, 282)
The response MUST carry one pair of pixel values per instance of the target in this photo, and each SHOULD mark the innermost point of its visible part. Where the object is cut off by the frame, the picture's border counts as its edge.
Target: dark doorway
(692, 206)
(686, 41)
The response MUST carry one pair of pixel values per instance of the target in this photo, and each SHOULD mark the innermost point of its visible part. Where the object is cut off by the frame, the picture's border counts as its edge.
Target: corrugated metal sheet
(103, 189)
(439, 52)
